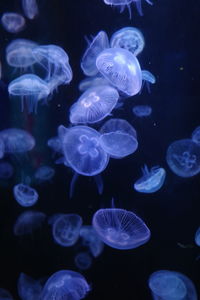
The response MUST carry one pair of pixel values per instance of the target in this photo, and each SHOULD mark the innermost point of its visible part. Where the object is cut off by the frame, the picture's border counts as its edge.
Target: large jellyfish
(28, 288)
(120, 229)
(30, 8)
(25, 195)
(13, 22)
(142, 110)
(91, 240)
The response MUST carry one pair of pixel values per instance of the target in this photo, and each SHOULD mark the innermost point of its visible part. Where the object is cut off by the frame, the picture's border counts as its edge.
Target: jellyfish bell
(148, 78)
(13, 22)
(30, 8)
(142, 110)
(25, 195)
(44, 173)
(83, 260)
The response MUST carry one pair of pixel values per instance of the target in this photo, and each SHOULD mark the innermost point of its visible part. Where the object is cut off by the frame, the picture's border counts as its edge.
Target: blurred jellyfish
(118, 138)
(30, 8)
(5, 295)
(196, 136)
(183, 158)
(6, 170)
(129, 38)
(44, 173)
(151, 181)
(120, 229)
(66, 229)
(28, 221)
(91, 82)
(25, 195)
(55, 144)
(171, 285)
(13, 22)
(121, 68)
(142, 110)
(197, 237)
(83, 260)
(98, 44)
(2, 148)
(148, 78)
(31, 89)
(91, 240)
(65, 284)
(28, 288)
(94, 105)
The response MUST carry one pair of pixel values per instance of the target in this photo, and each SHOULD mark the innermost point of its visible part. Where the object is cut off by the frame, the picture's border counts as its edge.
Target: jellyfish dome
(151, 181)
(83, 260)
(148, 76)
(142, 110)
(25, 195)
(44, 173)
(13, 22)
(183, 158)
(197, 237)
(82, 151)
(94, 105)
(129, 38)
(122, 69)
(120, 229)
(196, 136)
(30, 8)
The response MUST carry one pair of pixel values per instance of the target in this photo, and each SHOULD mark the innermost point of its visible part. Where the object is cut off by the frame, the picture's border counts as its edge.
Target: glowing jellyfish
(83, 260)
(121, 68)
(183, 158)
(25, 195)
(5, 295)
(66, 229)
(91, 240)
(82, 151)
(129, 38)
(90, 82)
(30, 88)
(65, 284)
(6, 170)
(30, 8)
(118, 138)
(98, 44)
(13, 22)
(44, 173)
(196, 136)
(168, 285)
(28, 288)
(94, 105)
(142, 110)
(197, 237)
(120, 229)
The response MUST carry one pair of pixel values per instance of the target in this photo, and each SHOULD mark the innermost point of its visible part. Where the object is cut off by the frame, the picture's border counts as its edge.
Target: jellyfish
(183, 158)
(91, 82)
(28, 288)
(6, 170)
(122, 69)
(30, 8)
(148, 78)
(13, 22)
(65, 284)
(91, 240)
(197, 237)
(66, 229)
(129, 38)
(196, 135)
(5, 295)
(142, 110)
(25, 195)
(2, 148)
(120, 229)
(98, 44)
(44, 173)
(94, 105)
(168, 285)
(83, 260)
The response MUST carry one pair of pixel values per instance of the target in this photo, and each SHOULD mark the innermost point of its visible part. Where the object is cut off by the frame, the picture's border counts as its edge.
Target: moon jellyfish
(28, 288)
(94, 105)
(6, 170)
(197, 237)
(148, 78)
(171, 285)
(129, 38)
(118, 138)
(91, 240)
(55, 144)
(66, 229)
(25, 195)
(83, 260)
(5, 295)
(98, 44)
(196, 136)
(120, 229)
(90, 82)
(30, 8)
(13, 22)
(65, 284)
(183, 158)
(142, 110)
(44, 173)
(31, 89)
(122, 69)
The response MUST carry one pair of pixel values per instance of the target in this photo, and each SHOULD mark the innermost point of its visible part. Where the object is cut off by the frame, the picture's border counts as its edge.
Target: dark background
(171, 53)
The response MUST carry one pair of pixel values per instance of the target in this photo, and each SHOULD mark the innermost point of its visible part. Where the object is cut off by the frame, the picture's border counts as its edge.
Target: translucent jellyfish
(6, 170)
(66, 229)
(5, 295)
(170, 285)
(28, 288)
(30, 88)
(94, 105)
(118, 138)
(65, 284)
(25, 195)
(142, 110)
(28, 221)
(90, 82)
(129, 38)
(183, 158)
(122, 69)
(196, 136)
(30, 8)
(83, 260)
(98, 44)
(91, 240)
(17, 140)
(148, 78)
(44, 173)
(55, 144)
(13, 22)
(197, 237)
(120, 229)
(82, 151)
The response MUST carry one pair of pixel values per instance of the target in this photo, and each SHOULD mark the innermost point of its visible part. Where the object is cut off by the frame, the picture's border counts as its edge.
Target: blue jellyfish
(197, 237)
(196, 135)
(44, 173)
(13, 22)
(5, 295)
(28, 288)
(91, 82)
(122, 69)
(91, 240)
(142, 110)
(30, 8)
(30, 88)
(151, 181)
(94, 105)
(55, 144)
(120, 229)
(168, 285)
(183, 158)
(6, 170)
(28, 221)
(25, 195)
(2, 148)
(98, 44)
(83, 260)
(148, 78)
(118, 138)
(66, 228)
(129, 38)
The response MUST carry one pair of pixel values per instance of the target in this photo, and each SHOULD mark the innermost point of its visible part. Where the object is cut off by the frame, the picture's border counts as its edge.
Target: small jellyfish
(66, 228)
(183, 158)
(6, 170)
(28, 288)
(196, 136)
(30, 8)
(91, 240)
(197, 237)
(120, 229)
(25, 195)
(13, 22)
(129, 38)
(91, 82)
(94, 105)
(151, 181)
(122, 69)
(44, 173)
(148, 78)
(5, 295)
(83, 260)
(98, 44)
(65, 284)
(142, 110)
